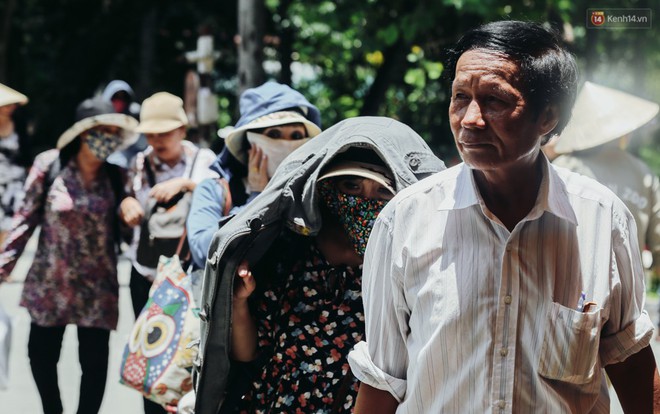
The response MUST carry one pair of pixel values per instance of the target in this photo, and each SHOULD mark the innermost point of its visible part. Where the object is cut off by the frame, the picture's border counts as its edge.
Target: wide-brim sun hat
(270, 104)
(162, 112)
(95, 112)
(602, 115)
(9, 96)
(373, 172)
(234, 140)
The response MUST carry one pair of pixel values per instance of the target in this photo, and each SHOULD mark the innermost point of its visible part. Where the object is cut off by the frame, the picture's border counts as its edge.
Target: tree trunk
(4, 38)
(287, 37)
(147, 52)
(250, 49)
(393, 67)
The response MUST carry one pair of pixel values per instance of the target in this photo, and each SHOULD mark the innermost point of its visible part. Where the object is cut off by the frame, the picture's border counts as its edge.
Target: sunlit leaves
(388, 35)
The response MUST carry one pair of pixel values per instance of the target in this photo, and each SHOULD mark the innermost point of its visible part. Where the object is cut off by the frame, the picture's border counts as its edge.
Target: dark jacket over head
(289, 202)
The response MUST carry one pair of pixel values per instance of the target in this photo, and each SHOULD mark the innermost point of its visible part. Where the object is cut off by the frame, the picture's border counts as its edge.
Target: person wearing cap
(13, 157)
(505, 284)
(176, 166)
(120, 94)
(72, 193)
(275, 120)
(594, 144)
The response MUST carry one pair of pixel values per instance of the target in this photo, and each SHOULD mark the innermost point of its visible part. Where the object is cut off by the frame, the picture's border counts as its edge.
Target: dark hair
(548, 71)
(69, 151)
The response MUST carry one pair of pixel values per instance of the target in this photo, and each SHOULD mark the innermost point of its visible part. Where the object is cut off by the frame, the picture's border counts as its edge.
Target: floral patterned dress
(307, 327)
(73, 278)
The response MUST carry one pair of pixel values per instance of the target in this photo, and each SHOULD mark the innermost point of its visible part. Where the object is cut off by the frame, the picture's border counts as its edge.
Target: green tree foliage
(63, 51)
(369, 57)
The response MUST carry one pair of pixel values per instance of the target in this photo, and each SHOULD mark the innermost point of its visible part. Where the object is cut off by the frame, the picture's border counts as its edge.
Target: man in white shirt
(504, 284)
(594, 144)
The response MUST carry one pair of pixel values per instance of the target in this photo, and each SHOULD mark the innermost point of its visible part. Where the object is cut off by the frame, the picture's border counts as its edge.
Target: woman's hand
(244, 332)
(245, 283)
(257, 169)
(163, 192)
(131, 212)
(171, 408)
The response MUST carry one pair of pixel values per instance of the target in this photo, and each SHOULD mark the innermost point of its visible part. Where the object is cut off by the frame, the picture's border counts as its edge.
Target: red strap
(225, 185)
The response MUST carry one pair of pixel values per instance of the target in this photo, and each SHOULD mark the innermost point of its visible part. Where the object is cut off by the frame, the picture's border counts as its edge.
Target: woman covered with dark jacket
(275, 120)
(294, 309)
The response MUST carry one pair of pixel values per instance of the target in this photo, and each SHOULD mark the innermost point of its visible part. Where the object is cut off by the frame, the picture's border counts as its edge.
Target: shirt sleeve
(629, 328)
(203, 218)
(205, 158)
(29, 214)
(653, 230)
(382, 360)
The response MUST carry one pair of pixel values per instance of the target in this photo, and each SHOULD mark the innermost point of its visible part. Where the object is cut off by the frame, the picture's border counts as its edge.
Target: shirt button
(507, 299)
(501, 404)
(504, 352)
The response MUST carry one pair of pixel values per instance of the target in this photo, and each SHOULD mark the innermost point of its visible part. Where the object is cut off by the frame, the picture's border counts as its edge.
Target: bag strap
(151, 177)
(194, 161)
(117, 184)
(182, 239)
(228, 202)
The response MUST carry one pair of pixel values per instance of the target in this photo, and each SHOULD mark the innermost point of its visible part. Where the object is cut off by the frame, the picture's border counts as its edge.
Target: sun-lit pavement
(22, 397)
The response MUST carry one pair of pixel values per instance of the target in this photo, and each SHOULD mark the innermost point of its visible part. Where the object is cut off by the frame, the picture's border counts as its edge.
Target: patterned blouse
(73, 278)
(307, 327)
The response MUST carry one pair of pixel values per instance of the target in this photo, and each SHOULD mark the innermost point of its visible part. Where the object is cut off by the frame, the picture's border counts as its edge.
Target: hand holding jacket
(244, 330)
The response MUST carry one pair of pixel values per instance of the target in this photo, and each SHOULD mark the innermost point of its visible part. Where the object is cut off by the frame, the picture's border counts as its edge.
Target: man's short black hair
(548, 71)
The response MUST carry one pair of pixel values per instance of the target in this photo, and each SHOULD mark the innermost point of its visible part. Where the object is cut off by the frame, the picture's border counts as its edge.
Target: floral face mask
(102, 143)
(356, 214)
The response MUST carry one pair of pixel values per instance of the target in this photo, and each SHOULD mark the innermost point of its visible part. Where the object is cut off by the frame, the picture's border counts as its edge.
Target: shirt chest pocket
(570, 345)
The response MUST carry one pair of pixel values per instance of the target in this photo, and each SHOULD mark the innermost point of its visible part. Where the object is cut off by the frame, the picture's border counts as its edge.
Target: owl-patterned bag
(157, 361)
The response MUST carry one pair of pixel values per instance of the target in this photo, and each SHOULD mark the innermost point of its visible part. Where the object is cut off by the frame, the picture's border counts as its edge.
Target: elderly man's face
(492, 123)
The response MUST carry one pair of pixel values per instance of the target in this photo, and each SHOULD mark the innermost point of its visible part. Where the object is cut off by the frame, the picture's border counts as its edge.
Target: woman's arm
(29, 215)
(373, 400)
(165, 191)
(243, 328)
(205, 213)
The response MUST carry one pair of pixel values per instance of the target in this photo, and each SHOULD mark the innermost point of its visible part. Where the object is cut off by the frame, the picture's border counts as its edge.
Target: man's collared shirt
(464, 316)
(631, 180)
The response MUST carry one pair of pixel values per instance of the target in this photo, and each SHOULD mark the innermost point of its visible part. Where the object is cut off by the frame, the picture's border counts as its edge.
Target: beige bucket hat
(361, 169)
(601, 115)
(161, 112)
(10, 96)
(94, 112)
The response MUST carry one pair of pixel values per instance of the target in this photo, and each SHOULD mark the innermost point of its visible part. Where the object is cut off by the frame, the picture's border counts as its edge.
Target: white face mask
(275, 149)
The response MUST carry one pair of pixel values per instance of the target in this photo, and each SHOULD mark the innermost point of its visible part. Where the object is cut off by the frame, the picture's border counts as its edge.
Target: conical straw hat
(10, 96)
(601, 115)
